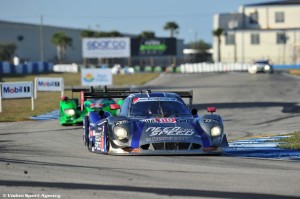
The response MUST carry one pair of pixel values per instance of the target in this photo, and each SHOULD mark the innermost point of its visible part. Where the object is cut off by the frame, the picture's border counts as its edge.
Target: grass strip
(295, 72)
(20, 109)
(292, 142)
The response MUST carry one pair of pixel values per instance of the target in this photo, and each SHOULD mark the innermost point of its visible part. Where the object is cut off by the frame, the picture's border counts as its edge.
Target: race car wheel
(90, 146)
(86, 130)
(108, 144)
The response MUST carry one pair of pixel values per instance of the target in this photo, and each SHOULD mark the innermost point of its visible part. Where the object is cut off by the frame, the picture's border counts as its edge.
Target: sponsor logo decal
(88, 77)
(149, 99)
(49, 84)
(122, 122)
(164, 120)
(211, 120)
(106, 45)
(20, 89)
(176, 131)
(165, 139)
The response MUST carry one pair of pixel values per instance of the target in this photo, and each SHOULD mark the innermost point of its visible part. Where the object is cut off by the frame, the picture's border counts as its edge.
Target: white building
(268, 30)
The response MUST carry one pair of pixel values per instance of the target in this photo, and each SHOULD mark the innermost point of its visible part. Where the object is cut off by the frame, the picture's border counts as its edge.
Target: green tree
(88, 33)
(172, 27)
(218, 33)
(199, 45)
(95, 34)
(62, 42)
(7, 51)
(147, 34)
(115, 34)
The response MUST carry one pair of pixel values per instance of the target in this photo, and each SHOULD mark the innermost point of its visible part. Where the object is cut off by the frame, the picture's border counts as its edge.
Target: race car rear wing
(97, 89)
(182, 94)
(185, 94)
(110, 93)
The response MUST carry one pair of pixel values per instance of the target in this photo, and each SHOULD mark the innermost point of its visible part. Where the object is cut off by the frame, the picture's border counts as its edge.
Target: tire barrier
(212, 67)
(28, 68)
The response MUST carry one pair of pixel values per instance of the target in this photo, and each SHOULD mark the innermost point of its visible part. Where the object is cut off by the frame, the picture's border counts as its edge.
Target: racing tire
(86, 130)
(90, 146)
(108, 143)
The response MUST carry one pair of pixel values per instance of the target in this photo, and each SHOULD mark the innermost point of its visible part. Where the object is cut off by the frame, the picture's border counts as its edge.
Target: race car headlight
(69, 112)
(120, 133)
(254, 67)
(215, 131)
(267, 67)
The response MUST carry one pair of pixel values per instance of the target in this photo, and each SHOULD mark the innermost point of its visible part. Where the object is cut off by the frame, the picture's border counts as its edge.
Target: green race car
(71, 112)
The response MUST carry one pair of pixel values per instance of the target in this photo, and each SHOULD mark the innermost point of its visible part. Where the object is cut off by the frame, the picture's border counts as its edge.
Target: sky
(194, 17)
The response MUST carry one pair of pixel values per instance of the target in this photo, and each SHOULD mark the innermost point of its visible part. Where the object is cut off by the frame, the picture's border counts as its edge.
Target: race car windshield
(159, 108)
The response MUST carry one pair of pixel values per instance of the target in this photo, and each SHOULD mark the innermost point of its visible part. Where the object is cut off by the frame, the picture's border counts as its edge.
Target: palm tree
(217, 33)
(7, 51)
(61, 41)
(172, 27)
(147, 34)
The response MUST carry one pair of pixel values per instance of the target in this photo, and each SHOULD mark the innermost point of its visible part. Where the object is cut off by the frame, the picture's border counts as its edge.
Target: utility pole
(42, 39)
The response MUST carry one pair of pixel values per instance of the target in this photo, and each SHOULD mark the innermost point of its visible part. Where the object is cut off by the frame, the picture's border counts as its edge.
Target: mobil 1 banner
(49, 84)
(106, 47)
(153, 46)
(17, 90)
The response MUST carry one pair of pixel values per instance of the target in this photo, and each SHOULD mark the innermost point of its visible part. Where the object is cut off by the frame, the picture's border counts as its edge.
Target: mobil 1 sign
(49, 84)
(17, 90)
(11, 90)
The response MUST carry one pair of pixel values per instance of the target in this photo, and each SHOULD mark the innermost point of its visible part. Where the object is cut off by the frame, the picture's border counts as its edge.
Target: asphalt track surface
(44, 159)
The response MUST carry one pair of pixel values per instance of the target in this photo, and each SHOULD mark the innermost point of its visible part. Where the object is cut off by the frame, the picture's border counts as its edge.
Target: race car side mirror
(114, 106)
(194, 112)
(211, 109)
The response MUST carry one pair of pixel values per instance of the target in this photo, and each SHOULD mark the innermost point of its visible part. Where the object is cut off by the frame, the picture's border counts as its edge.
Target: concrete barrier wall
(28, 68)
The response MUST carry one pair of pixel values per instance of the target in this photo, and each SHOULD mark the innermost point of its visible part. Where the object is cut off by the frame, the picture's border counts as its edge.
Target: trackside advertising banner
(11, 90)
(153, 47)
(106, 47)
(49, 84)
(17, 90)
(96, 77)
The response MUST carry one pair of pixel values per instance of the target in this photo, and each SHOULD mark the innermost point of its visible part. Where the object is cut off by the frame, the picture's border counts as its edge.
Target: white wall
(267, 16)
(267, 49)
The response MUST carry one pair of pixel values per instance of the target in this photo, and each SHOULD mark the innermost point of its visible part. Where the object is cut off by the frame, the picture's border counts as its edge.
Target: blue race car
(155, 123)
